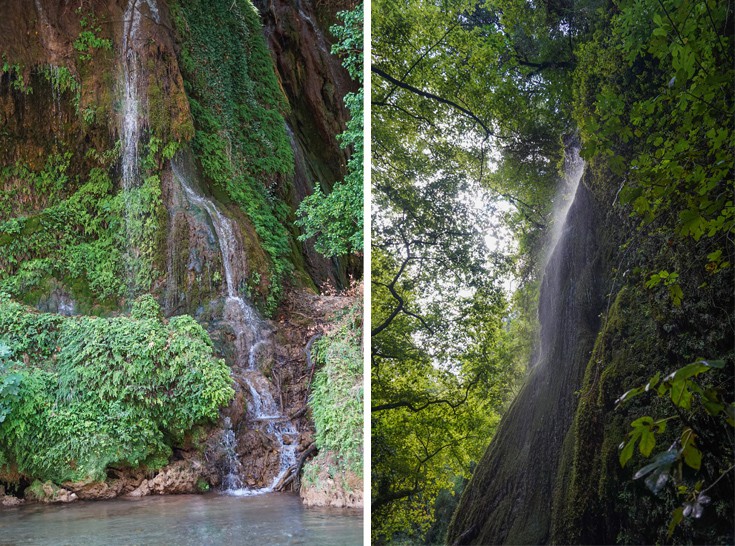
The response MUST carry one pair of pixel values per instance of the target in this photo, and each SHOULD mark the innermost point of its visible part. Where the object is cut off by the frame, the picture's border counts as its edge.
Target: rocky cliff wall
(75, 240)
(552, 473)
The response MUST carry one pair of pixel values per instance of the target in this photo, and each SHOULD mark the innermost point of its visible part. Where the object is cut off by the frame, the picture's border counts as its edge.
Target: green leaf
(691, 223)
(695, 368)
(632, 393)
(730, 412)
(712, 403)
(645, 421)
(692, 456)
(680, 395)
(626, 451)
(676, 517)
(648, 442)
(653, 381)
(676, 294)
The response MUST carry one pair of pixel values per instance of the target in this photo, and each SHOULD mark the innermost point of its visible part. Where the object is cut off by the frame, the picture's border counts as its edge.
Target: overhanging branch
(432, 96)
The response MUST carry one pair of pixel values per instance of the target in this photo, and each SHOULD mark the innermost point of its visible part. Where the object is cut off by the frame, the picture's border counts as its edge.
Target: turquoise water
(271, 519)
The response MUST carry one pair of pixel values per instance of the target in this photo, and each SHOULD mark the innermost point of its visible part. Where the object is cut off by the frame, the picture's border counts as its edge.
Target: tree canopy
(472, 104)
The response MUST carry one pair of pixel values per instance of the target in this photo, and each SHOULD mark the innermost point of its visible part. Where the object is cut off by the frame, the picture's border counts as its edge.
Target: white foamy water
(250, 337)
(573, 170)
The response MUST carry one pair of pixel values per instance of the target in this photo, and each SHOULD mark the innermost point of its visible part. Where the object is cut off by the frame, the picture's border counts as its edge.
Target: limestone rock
(176, 478)
(9, 500)
(48, 492)
(97, 490)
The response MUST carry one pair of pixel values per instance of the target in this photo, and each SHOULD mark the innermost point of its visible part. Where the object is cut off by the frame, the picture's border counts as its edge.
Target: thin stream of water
(131, 100)
(250, 337)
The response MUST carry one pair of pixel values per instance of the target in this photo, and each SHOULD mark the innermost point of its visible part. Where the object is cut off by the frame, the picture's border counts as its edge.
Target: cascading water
(250, 333)
(250, 338)
(510, 497)
(573, 170)
(231, 480)
(131, 127)
(131, 100)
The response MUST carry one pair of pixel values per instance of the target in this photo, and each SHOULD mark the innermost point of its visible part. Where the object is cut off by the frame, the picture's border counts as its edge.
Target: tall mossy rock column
(509, 498)
(552, 473)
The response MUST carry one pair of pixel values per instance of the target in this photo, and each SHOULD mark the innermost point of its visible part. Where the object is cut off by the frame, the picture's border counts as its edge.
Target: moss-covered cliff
(575, 462)
(552, 473)
(205, 85)
(97, 102)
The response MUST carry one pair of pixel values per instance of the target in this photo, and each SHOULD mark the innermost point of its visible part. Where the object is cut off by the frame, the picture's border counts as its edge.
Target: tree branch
(431, 96)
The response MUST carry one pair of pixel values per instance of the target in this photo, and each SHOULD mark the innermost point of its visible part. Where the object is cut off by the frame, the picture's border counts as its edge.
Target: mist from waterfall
(574, 167)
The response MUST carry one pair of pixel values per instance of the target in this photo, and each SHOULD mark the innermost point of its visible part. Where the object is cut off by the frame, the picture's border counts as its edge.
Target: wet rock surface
(41, 34)
(314, 82)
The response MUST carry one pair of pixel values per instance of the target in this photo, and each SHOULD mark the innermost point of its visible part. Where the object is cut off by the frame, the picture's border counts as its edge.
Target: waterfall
(130, 130)
(131, 100)
(250, 337)
(249, 329)
(573, 170)
(509, 499)
(231, 480)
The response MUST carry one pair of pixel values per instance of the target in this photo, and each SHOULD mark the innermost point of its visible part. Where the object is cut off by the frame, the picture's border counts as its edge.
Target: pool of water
(271, 519)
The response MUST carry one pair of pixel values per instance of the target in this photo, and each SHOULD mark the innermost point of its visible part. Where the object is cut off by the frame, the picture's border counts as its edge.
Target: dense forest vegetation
(475, 107)
(156, 238)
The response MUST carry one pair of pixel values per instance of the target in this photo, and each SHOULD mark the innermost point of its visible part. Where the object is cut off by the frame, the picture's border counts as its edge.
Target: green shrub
(337, 393)
(88, 40)
(336, 218)
(95, 393)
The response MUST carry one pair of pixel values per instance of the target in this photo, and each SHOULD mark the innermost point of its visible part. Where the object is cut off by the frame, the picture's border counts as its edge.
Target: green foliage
(100, 244)
(88, 40)
(696, 405)
(10, 384)
(670, 280)
(440, 379)
(77, 237)
(336, 219)
(452, 85)
(238, 109)
(337, 392)
(63, 81)
(52, 183)
(654, 97)
(96, 393)
(146, 307)
(648, 84)
(17, 79)
(142, 209)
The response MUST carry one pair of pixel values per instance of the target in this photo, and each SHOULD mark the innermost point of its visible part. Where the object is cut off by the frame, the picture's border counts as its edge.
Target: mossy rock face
(552, 473)
(313, 81)
(60, 123)
(509, 498)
